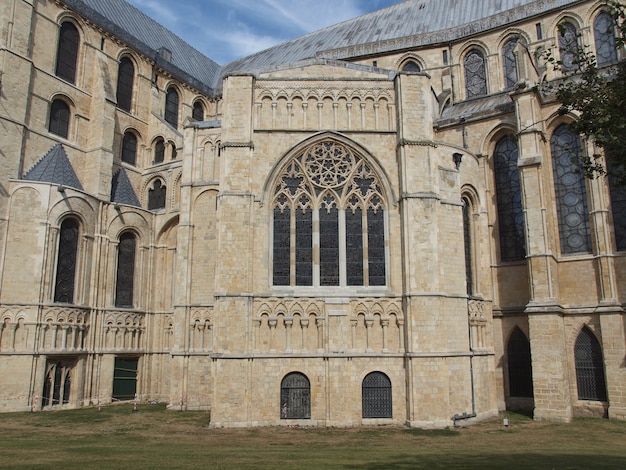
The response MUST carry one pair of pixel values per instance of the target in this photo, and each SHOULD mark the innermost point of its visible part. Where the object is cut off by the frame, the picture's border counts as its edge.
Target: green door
(125, 379)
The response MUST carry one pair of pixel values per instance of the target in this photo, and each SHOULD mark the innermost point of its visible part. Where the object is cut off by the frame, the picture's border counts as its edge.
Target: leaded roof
(54, 167)
(122, 191)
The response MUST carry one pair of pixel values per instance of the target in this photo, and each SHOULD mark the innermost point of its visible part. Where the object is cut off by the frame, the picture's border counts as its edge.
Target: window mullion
(292, 246)
(366, 267)
(316, 247)
(343, 274)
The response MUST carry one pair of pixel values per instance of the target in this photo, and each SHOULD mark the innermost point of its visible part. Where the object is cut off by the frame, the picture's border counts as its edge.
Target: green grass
(153, 438)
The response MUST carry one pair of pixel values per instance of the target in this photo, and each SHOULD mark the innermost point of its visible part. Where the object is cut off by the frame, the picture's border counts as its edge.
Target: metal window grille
(67, 52)
(124, 285)
(129, 148)
(604, 35)
(509, 199)
(125, 78)
(475, 74)
(519, 365)
(59, 118)
(295, 397)
(66, 263)
(589, 367)
(171, 107)
(376, 396)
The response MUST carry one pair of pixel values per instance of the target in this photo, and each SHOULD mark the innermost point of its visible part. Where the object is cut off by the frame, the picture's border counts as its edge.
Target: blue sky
(225, 30)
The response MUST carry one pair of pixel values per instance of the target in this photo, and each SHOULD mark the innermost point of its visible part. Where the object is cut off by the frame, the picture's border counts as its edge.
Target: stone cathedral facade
(377, 223)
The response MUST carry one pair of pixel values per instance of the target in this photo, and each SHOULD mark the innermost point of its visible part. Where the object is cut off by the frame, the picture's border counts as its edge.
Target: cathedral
(381, 222)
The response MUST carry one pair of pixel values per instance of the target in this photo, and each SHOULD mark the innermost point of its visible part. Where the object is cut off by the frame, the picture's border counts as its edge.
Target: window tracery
(604, 35)
(475, 74)
(509, 62)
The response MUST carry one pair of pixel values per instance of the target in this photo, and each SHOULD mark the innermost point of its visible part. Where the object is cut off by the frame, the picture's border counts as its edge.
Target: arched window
(604, 35)
(66, 262)
(411, 66)
(568, 46)
(59, 122)
(129, 148)
(589, 367)
(519, 365)
(509, 62)
(330, 184)
(159, 151)
(156, 195)
(468, 244)
(376, 396)
(570, 192)
(475, 74)
(57, 384)
(618, 207)
(125, 271)
(125, 78)
(171, 107)
(198, 111)
(67, 52)
(172, 146)
(295, 397)
(509, 199)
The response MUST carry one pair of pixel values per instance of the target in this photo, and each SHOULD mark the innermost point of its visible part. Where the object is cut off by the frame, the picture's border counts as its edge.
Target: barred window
(66, 262)
(475, 74)
(509, 62)
(171, 107)
(125, 279)
(295, 397)
(67, 52)
(509, 199)
(125, 78)
(376, 396)
(328, 220)
(568, 46)
(198, 111)
(570, 191)
(59, 122)
(129, 148)
(589, 367)
(519, 365)
(604, 35)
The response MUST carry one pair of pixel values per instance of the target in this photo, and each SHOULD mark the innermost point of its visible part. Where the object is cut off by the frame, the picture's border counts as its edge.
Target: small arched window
(171, 107)
(67, 52)
(568, 46)
(295, 397)
(570, 191)
(519, 365)
(172, 146)
(475, 74)
(66, 262)
(604, 35)
(509, 62)
(411, 66)
(589, 367)
(376, 396)
(156, 195)
(129, 148)
(125, 78)
(198, 111)
(509, 199)
(159, 151)
(124, 285)
(59, 122)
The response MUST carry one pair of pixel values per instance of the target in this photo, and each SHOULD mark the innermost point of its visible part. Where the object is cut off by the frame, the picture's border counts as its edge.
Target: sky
(225, 30)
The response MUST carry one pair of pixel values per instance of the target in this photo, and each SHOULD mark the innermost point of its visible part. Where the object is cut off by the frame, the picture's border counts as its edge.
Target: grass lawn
(153, 438)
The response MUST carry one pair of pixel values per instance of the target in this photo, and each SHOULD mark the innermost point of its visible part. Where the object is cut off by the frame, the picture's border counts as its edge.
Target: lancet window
(604, 35)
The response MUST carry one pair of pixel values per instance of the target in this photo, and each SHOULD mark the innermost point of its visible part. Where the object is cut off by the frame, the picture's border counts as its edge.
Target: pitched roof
(54, 167)
(122, 191)
(147, 36)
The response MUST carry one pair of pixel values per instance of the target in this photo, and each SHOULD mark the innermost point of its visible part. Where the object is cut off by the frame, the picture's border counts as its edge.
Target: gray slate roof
(122, 191)
(54, 167)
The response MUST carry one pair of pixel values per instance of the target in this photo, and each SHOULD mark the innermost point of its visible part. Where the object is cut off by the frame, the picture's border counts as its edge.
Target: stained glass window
(618, 206)
(568, 46)
(67, 52)
(376, 396)
(125, 78)
(475, 74)
(509, 199)
(570, 191)
(509, 62)
(604, 35)
(589, 367)
(66, 263)
(329, 224)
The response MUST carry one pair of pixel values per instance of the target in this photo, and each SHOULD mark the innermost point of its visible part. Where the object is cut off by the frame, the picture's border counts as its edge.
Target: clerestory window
(67, 52)
(604, 35)
(328, 220)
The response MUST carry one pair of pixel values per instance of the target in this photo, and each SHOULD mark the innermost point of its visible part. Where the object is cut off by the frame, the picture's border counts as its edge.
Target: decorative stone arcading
(478, 320)
(124, 331)
(201, 329)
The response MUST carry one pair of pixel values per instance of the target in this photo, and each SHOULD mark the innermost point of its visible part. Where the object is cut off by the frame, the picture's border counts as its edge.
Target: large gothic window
(171, 107)
(125, 78)
(66, 263)
(570, 192)
(67, 52)
(125, 280)
(509, 62)
(475, 74)
(519, 365)
(604, 35)
(618, 206)
(589, 367)
(129, 148)
(376, 396)
(57, 384)
(59, 121)
(295, 397)
(329, 224)
(568, 46)
(509, 199)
